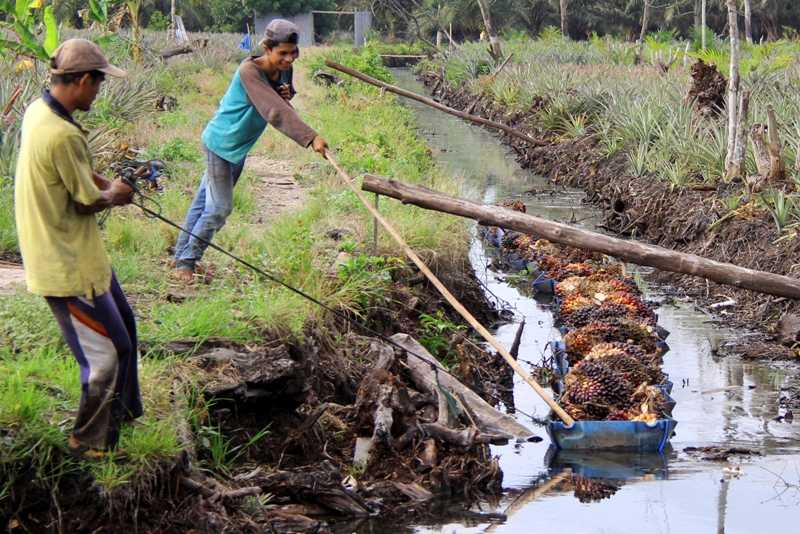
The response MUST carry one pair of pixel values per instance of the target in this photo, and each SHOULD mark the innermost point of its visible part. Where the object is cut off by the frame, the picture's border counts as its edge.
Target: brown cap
(81, 55)
(281, 30)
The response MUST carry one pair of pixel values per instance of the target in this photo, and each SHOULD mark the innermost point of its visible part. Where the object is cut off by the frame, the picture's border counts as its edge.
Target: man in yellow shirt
(56, 196)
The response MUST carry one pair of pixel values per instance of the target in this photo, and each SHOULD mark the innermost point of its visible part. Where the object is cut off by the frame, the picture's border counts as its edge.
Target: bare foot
(184, 274)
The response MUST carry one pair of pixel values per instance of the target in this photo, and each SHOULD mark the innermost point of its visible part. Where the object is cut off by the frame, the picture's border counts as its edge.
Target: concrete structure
(362, 23)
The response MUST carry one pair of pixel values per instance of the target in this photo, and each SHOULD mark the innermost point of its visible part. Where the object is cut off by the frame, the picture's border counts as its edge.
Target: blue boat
(612, 435)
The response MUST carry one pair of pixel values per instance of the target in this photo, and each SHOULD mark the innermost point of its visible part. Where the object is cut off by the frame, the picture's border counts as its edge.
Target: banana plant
(22, 18)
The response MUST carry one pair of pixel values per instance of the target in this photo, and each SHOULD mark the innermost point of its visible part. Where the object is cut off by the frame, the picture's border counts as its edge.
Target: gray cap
(281, 30)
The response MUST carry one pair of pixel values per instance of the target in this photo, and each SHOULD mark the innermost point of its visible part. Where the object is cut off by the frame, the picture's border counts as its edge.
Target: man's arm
(275, 110)
(116, 193)
(90, 192)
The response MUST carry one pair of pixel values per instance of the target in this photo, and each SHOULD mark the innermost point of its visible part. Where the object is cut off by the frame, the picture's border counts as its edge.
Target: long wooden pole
(631, 251)
(441, 107)
(450, 298)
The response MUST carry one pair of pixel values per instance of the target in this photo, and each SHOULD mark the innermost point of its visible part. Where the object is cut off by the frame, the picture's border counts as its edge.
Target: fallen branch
(441, 107)
(426, 377)
(631, 251)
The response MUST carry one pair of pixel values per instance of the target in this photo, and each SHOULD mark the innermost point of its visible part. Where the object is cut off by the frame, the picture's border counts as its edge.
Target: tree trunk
(748, 21)
(733, 86)
(631, 251)
(172, 13)
(777, 169)
(494, 43)
(564, 18)
(698, 20)
(736, 168)
(703, 23)
(645, 22)
(760, 150)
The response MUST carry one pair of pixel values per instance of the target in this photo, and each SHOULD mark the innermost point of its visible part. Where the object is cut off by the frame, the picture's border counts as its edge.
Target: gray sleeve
(272, 107)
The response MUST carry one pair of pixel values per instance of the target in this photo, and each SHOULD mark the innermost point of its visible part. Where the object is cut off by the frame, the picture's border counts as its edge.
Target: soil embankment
(682, 219)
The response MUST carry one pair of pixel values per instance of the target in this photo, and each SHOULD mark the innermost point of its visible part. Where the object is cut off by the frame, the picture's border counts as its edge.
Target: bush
(158, 21)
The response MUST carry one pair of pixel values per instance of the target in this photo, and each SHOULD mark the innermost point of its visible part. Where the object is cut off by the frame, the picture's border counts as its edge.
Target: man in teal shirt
(258, 96)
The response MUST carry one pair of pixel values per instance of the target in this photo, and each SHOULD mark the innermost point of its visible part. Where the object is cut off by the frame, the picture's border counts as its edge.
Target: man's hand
(319, 145)
(119, 193)
(285, 91)
(101, 181)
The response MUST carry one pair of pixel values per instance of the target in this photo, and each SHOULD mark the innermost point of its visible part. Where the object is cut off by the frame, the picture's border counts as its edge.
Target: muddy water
(720, 401)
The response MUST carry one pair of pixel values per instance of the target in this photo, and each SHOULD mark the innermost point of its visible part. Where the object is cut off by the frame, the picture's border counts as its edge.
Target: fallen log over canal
(630, 251)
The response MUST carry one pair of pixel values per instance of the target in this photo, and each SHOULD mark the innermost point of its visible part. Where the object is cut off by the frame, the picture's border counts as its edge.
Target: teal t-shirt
(237, 124)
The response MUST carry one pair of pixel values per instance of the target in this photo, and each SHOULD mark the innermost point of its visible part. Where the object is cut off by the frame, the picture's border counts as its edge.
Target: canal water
(723, 402)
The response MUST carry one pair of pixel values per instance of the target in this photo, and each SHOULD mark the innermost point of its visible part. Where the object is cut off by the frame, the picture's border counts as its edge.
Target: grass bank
(38, 378)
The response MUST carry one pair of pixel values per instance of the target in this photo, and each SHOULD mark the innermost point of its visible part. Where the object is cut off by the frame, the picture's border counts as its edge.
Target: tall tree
(494, 43)
(703, 22)
(733, 161)
(564, 19)
(643, 33)
(748, 21)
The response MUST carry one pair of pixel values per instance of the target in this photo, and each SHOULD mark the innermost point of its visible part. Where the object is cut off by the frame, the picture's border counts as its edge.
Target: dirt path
(276, 189)
(12, 277)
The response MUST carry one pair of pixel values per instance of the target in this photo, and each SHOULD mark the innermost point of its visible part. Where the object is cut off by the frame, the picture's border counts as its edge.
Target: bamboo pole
(631, 251)
(441, 107)
(450, 298)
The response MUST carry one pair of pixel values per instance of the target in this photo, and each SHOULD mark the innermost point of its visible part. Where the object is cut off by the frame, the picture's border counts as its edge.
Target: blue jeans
(211, 206)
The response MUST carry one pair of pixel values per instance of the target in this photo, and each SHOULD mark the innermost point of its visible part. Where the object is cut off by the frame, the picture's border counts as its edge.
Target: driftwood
(517, 340)
(320, 484)
(441, 107)
(488, 419)
(631, 251)
(196, 44)
(465, 438)
(177, 51)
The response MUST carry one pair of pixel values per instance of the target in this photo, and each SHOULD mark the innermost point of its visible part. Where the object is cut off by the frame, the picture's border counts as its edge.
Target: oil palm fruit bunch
(614, 279)
(573, 303)
(580, 341)
(621, 356)
(633, 369)
(602, 313)
(648, 403)
(633, 303)
(597, 389)
(570, 269)
(570, 285)
(593, 490)
(516, 205)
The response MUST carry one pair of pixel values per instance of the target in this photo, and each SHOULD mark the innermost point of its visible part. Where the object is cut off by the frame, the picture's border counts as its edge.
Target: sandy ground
(276, 189)
(12, 277)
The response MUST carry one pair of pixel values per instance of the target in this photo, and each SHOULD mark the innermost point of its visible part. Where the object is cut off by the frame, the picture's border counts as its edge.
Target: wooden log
(424, 375)
(177, 51)
(441, 107)
(630, 251)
